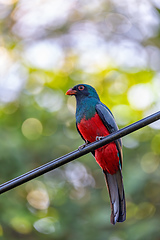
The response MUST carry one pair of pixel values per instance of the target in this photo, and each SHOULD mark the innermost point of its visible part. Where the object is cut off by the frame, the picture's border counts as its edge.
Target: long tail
(117, 196)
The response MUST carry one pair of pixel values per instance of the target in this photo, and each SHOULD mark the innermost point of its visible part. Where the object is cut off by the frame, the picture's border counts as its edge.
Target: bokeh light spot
(38, 199)
(35, 83)
(123, 114)
(117, 23)
(32, 128)
(130, 142)
(131, 210)
(145, 210)
(8, 2)
(21, 225)
(77, 174)
(10, 108)
(49, 99)
(47, 225)
(51, 55)
(140, 96)
(149, 162)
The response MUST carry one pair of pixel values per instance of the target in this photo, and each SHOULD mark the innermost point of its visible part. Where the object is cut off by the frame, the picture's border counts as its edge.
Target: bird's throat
(86, 108)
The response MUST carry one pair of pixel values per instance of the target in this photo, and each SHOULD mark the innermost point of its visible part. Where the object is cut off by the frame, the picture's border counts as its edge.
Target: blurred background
(47, 47)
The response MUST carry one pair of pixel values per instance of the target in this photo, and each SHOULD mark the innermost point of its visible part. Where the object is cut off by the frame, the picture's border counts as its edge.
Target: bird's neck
(86, 108)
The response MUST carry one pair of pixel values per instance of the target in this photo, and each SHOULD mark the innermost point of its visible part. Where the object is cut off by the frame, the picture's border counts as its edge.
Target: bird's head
(83, 90)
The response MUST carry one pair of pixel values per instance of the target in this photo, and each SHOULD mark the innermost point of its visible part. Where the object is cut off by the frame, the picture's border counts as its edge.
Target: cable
(77, 153)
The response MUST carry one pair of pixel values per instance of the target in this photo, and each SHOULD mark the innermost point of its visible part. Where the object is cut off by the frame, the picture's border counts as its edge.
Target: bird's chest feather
(91, 128)
(106, 156)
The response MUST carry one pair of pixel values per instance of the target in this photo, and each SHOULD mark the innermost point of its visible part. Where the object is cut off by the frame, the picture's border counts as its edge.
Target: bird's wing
(109, 122)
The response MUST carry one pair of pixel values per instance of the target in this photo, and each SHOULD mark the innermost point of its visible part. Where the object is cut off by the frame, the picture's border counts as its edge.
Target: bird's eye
(81, 87)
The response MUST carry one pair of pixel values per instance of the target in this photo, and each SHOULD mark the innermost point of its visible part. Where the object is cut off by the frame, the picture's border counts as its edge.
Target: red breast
(106, 156)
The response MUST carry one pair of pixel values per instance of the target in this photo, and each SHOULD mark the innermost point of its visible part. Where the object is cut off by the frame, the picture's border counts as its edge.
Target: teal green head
(87, 98)
(82, 91)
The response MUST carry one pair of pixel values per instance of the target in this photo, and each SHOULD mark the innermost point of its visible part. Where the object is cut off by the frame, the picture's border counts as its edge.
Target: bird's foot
(83, 145)
(99, 138)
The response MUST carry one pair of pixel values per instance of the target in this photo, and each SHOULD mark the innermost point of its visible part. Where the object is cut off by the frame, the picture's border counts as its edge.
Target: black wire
(77, 153)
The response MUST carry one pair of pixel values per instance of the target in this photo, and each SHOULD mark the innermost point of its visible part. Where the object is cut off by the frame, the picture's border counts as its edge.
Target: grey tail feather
(117, 196)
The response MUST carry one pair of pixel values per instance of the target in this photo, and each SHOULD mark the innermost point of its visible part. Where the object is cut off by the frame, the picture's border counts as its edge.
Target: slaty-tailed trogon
(94, 120)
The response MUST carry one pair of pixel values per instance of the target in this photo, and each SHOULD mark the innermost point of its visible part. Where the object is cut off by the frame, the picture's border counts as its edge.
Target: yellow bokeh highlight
(10, 108)
(145, 210)
(38, 199)
(8, 2)
(32, 128)
(140, 211)
(131, 210)
(21, 225)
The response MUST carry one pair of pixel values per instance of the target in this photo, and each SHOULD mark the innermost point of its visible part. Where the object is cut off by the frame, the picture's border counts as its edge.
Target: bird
(94, 120)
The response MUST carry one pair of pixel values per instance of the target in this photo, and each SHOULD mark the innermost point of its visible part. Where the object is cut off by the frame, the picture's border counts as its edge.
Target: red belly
(106, 156)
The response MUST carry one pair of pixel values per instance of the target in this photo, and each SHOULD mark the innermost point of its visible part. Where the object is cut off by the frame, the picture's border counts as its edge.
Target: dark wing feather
(109, 122)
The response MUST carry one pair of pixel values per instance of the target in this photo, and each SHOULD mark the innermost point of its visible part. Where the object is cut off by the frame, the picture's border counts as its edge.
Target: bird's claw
(98, 138)
(83, 146)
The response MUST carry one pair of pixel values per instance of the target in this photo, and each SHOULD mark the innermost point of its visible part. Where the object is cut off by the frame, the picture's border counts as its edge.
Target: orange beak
(71, 92)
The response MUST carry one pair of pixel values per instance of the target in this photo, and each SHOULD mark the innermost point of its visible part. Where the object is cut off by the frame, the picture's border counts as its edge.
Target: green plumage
(86, 108)
(86, 104)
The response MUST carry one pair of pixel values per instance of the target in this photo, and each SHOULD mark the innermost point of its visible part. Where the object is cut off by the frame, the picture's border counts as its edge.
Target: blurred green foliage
(46, 47)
